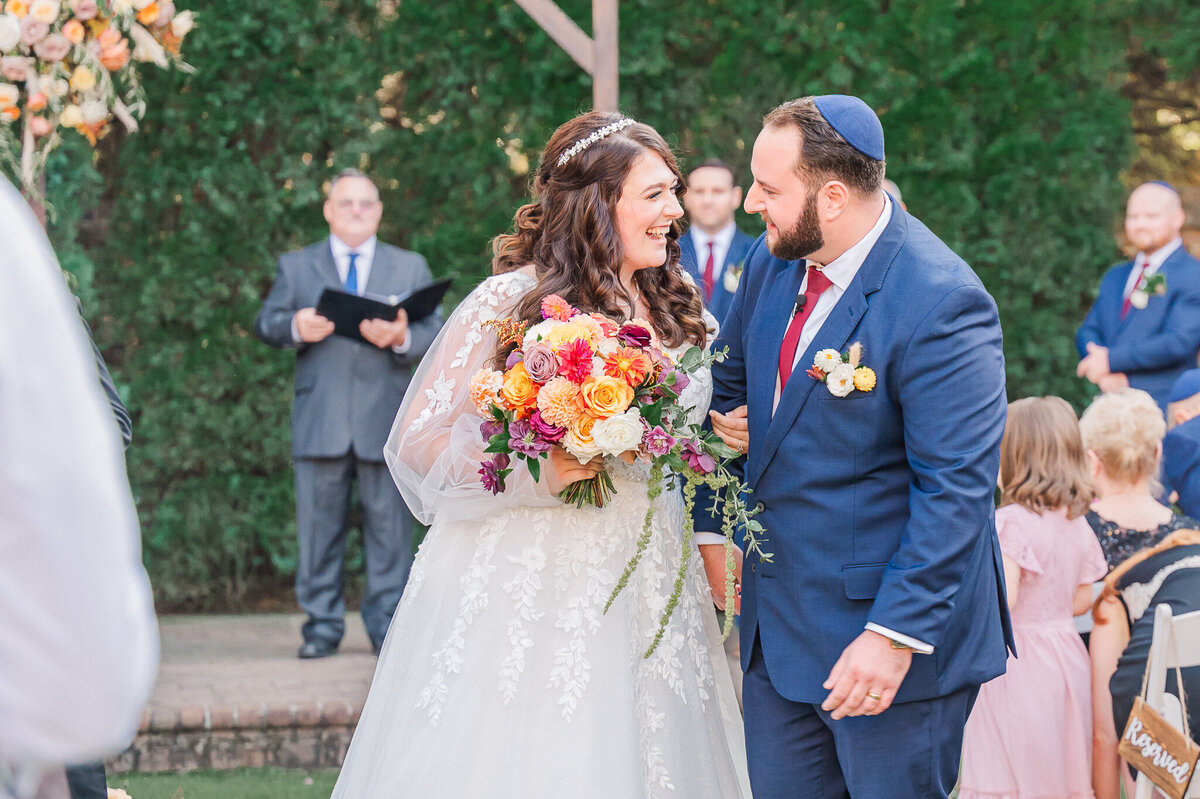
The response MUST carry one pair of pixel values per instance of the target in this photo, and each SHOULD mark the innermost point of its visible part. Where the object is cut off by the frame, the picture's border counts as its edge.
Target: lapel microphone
(801, 300)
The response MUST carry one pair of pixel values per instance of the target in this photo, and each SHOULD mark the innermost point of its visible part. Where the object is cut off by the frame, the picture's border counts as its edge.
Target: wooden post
(597, 55)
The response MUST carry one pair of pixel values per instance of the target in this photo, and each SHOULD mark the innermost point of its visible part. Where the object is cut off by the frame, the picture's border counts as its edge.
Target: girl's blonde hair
(1179, 538)
(1042, 464)
(1125, 429)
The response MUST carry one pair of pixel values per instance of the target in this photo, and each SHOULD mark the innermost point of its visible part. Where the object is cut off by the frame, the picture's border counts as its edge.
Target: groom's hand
(714, 569)
(868, 666)
(733, 428)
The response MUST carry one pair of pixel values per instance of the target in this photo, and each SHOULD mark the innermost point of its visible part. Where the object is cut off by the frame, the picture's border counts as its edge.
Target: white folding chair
(1176, 643)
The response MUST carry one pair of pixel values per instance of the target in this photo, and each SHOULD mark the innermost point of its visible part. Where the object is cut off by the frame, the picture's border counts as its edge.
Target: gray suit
(346, 397)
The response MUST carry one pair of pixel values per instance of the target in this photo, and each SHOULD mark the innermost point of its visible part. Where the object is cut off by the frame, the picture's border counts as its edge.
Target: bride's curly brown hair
(569, 233)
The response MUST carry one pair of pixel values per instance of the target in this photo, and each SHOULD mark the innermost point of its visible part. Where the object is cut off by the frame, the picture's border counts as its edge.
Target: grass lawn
(248, 783)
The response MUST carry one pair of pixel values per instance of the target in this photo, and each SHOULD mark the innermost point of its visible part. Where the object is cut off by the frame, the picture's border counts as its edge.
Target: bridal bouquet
(594, 387)
(72, 64)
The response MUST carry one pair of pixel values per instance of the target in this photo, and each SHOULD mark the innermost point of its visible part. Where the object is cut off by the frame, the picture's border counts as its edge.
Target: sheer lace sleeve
(1012, 528)
(435, 448)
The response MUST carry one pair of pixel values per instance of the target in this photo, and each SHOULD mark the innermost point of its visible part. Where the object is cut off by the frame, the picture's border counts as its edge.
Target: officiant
(347, 392)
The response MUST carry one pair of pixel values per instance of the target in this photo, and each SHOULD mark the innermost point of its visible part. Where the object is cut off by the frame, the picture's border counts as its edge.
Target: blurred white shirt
(78, 639)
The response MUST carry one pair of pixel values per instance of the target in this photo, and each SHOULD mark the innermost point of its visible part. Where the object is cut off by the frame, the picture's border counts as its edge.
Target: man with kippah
(1181, 446)
(865, 383)
(1144, 328)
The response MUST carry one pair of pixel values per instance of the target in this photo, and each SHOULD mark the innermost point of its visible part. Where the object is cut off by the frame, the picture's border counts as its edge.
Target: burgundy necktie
(1126, 304)
(817, 284)
(709, 273)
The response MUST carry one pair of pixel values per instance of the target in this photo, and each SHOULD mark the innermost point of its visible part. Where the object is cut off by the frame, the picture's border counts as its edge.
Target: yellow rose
(569, 331)
(864, 378)
(605, 396)
(71, 117)
(519, 391)
(82, 79)
(18, 8)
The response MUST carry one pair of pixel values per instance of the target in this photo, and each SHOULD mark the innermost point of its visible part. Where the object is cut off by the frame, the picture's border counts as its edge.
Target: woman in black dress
(1167, 573)
(1122, 432)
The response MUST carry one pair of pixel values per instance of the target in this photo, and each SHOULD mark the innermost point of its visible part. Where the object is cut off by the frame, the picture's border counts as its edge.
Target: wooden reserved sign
(1155, 748)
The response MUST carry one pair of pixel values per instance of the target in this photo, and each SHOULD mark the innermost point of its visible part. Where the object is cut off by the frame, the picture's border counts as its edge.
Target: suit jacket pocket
(861, 581)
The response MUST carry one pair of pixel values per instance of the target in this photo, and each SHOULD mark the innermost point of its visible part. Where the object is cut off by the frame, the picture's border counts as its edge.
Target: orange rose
(149, 14)
(74, 31)
(605, 396)
(12, 112)
(519, 391)
(18, 8)
(115, 56)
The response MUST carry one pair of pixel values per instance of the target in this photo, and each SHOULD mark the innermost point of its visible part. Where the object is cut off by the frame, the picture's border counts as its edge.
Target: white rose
(733, 277)
(619, 433)
(583, 451)
(9, 95)
(10, 33)
(608, 346)
(597, 366)
(538, 332)
(94, 111)
(44, 10)
(71, 117)
(60, 88)
(146, 48)
(140, 4)
(1139, 299)
(841, 380)
(183, 23)
(827, 360)
(120, 6)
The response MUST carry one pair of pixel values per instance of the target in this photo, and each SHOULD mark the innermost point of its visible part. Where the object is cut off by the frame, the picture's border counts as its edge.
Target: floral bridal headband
(586, 142)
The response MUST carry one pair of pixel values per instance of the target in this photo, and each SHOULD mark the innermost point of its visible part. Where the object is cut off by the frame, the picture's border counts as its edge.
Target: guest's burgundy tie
(1126, 304)
(817, 284)
(709, 273)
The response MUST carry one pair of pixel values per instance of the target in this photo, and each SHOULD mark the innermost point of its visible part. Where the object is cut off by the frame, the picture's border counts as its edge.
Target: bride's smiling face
(647, 207)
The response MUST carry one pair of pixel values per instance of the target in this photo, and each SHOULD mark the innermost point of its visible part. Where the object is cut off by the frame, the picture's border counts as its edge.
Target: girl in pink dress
(1030, 732)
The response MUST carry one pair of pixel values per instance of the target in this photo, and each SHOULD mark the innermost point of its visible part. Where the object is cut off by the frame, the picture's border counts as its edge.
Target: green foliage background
(1006, 126)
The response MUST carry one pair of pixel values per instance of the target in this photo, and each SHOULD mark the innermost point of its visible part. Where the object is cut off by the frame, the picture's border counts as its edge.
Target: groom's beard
(804, 238)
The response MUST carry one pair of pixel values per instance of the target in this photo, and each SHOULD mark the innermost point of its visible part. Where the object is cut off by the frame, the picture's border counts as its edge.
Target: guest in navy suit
(866, 636)
(1144, 328)
(1181, 446)
(714, 251)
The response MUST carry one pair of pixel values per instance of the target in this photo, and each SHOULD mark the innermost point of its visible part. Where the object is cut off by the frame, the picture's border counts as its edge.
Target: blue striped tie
(352, 275)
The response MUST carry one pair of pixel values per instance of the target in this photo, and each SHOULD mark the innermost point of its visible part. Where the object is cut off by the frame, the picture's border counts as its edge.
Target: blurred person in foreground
(78, 642)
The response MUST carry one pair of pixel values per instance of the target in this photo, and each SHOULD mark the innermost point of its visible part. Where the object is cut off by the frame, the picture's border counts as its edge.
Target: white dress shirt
(362, 273)
(80, 643)
(1155, 258)
(722, 240)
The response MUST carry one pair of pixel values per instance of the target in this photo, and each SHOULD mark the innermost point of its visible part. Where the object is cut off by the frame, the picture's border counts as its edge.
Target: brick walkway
(231, 692)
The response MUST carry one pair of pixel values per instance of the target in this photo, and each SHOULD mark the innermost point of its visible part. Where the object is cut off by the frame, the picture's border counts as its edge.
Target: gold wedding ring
(876, 697)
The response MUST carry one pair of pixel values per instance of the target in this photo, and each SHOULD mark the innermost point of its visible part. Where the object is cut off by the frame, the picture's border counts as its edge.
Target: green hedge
(1006, 130)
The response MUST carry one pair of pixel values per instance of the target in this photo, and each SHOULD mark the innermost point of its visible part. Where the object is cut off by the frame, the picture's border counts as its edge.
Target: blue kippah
(1164, 184)
(855, 120)
(1187, 385)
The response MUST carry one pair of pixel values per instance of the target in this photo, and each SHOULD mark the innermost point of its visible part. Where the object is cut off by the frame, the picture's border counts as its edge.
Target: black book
(347, 311)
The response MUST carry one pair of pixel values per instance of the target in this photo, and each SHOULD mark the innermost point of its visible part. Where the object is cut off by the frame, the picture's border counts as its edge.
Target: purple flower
(696, 458)
(514, 358)
(525, 441)
(657, 441)
(489, 473)
(550, 433)
(541, 363)
(634, 336)
(681, 381)
(491, 428)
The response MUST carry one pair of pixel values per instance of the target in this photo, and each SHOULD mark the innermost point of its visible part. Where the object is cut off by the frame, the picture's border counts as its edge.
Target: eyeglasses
(364, 205)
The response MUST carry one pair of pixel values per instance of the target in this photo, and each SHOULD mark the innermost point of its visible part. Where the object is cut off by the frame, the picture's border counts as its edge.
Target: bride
(501, 677)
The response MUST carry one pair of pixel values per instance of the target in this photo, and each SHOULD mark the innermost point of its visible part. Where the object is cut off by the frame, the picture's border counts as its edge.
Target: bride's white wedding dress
(501, 677)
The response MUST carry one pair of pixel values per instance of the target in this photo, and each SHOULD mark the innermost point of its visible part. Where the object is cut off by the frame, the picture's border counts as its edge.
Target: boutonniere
(733, 276)
(1154, 284)
(843, 372)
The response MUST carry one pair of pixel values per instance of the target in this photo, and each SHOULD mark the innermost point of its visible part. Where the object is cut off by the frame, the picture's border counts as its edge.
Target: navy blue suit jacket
(719, 304)
(1181, 465)
(878, 506)
(1155, 344)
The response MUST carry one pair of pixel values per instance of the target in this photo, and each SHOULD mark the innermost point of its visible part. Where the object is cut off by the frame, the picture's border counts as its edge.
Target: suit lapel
(834, 333)
(326, 268)
(381, 268)
(1119, 300)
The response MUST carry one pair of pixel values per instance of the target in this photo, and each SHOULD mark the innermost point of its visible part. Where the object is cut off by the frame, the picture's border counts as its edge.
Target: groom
(866, 637)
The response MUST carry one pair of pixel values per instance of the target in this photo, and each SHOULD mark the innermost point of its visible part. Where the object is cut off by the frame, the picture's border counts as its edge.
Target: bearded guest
(714, 250)
(347, 394)
(1144, 328)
